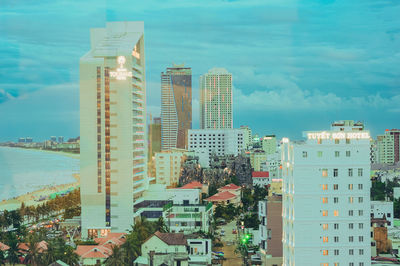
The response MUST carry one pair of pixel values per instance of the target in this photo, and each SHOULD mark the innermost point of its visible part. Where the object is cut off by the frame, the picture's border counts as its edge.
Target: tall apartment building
(154, 137)
(112, 127)
(247, 136)
(257, 159)
(387, 147)
(168, 166)
(221, 142)
(176, 106)
(326, 198)
(270, 228)
(269, 144)
(216, 99)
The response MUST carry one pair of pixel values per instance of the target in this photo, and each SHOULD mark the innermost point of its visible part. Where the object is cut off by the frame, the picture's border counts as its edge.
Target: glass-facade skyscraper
(176, 107)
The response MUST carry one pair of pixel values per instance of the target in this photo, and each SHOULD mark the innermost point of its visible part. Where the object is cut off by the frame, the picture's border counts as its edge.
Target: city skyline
(326, 61)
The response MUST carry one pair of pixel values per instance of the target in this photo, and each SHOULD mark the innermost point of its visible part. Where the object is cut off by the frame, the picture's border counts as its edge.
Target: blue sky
(296, 65)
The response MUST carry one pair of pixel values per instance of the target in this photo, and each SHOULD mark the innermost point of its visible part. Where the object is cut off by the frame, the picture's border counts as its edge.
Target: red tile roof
(222, 196)
(192, 185)
(260, 174)
(111, 238)
(172, 238)
(4, 247)
(41, 247)
(230, 187)
(92, 251)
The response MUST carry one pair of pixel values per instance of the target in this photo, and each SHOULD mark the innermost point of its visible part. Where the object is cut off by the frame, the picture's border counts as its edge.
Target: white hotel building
(221, 142)
(113, 127)
(326, 198)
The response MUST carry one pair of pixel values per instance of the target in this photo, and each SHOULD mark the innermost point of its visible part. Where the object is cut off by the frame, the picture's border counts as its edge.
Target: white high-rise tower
(216, 102)
(326, 197)
(113, 127)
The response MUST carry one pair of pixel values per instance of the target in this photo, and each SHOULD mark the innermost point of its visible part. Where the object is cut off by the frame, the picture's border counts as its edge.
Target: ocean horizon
(28, 170)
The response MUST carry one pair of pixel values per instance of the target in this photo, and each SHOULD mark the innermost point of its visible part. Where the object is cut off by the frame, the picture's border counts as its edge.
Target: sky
(296, 65)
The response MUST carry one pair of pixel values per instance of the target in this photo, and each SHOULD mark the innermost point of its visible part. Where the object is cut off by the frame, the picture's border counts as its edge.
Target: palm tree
(14, 252)
(161, 226)
(69, 256)
(2, 258)
(33, 256)
(116, 258)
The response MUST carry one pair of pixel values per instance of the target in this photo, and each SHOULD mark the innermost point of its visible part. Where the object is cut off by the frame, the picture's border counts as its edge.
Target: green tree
(14, 252)
(116, 258)
(33, 255)
(2, 258)
(161, 226)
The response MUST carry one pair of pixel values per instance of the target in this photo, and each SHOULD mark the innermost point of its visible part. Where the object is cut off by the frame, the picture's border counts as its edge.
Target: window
(351, 238)
(351, 251)
(347, 153)
(388, 215)
(360, 226)
(350, 171)
(336, 226)
(335, 200)
(335, 186)
(325, 239)
(360, 239)
(350, 199)
(360, 212)
(324, 200)
(351, 226)
(336, 239)
(336, 252)
(360, 199)
(325, 252)
(336, 213)
(324, 187)
(324, 213)
(337, 141)
(347, 141)
(361, 263)
(360, 186)
(335, 172)
(351, 264)
(324, 172)
(350, 186)
(319, 153)
(304, 154)
(325, 226)
(360, 172)
(350, 212)
(337, 153)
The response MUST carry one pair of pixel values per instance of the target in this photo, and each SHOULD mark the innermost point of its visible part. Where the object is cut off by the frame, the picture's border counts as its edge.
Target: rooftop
(230, 187)
(192, 185)
(222, 196)
(262, 174)
(172, 238)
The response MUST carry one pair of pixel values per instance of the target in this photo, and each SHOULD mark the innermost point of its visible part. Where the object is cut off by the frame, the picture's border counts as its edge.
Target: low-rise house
(4, 247)
(97, 254)
(166, 249)
(234, 189)
(383, 208)
(174, 249)
(379, 236)
(224, 198)
(196, 185)
(260, 178)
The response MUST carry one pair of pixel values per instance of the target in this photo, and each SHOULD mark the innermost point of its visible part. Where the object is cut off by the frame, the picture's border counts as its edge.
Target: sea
(27, 170)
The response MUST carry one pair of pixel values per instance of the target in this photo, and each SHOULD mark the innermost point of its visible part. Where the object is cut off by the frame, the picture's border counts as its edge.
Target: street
(230, 240)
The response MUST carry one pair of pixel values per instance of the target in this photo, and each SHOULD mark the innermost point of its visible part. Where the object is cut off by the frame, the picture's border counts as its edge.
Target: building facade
(247, 136)
(326, 198)
(176, 106)
(221, 142)
(112, 127)
(216, 99)
(257, 159)
(168, 166)
(383, 209)
(269, 144)
(387, 147)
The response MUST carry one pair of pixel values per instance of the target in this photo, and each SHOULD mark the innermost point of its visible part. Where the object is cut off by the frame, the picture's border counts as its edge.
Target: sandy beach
(68, 154)
(29, 199)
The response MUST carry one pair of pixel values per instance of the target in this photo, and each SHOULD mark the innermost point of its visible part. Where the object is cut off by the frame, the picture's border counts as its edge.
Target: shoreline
(67, 154)
(31, 198)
